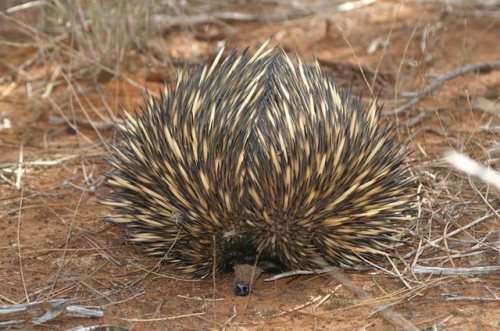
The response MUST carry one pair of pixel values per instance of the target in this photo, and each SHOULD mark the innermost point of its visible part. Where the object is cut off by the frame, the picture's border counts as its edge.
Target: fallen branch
(99, 327)
(455, 271)
(164, 22)
(20, 315)
(169, 318)
(58, 120)
(439, 81)
(300, 272)
(455, 298)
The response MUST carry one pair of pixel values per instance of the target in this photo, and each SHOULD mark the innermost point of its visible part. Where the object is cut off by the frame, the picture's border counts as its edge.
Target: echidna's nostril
(241, 289)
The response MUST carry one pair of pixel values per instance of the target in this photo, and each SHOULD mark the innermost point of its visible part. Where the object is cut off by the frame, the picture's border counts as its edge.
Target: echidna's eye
(241, 289)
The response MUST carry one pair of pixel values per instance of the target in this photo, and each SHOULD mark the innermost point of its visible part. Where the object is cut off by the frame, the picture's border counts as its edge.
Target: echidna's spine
(257, 155)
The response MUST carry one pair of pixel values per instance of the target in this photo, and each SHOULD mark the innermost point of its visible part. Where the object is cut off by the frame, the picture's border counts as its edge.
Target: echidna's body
(255, 155)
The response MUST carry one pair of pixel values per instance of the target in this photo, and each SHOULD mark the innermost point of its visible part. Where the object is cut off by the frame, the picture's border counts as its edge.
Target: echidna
(259, 157)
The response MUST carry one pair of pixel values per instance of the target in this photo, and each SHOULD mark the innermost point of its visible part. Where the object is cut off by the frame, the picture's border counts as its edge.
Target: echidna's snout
(245, 275)
(241, 289)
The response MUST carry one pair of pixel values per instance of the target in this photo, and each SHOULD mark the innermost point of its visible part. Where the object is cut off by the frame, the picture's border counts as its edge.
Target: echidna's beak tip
(241, 289)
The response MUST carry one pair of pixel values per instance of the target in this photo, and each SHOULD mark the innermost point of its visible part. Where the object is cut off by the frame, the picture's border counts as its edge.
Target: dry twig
(439, 81)
(455, 271)
(164, 22)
